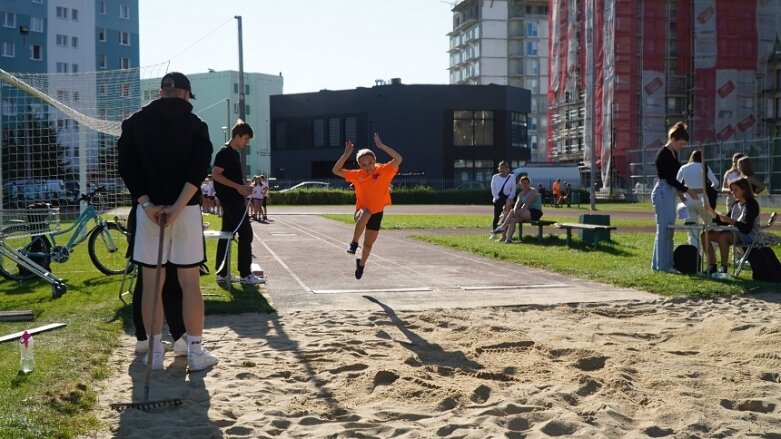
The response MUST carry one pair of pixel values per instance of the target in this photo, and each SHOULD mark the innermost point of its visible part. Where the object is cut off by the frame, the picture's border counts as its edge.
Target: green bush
(400, 195)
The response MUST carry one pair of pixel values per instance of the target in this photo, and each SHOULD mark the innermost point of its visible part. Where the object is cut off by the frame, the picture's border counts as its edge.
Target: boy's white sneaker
(201, 361)
(180, 346)
(158, 360)
(252, 279)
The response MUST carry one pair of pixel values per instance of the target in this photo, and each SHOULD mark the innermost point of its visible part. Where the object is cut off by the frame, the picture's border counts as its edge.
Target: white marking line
(279, 260)
(513, 287)
(387, 290)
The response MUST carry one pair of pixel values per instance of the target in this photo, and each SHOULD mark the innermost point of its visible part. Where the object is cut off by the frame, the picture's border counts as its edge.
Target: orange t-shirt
(372, 191)
(556, 189)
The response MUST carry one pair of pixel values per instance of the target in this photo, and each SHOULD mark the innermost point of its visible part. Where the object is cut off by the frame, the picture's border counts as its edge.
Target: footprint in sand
(246, 376)
(512, 346)
(749, 405)
(773, 377)
(384, 378)
(590, 363)
(658, 431)
(349, 368)
(559, 428)
(481, 394)
(588, 386)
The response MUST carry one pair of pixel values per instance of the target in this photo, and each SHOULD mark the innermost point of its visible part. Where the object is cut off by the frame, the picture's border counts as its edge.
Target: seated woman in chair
(528, 207)
(744, 215)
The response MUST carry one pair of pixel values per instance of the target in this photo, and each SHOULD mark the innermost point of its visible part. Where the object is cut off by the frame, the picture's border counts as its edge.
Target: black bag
(764, 265)
(713, 195)
(686, 259)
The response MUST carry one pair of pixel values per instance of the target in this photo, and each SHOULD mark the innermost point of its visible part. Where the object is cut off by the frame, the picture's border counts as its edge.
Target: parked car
(308, 185)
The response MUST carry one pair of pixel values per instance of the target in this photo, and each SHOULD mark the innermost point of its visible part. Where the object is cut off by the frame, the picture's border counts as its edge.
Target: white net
(59, 134)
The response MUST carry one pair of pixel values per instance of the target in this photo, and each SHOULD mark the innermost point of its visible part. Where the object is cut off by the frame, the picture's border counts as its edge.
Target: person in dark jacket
(232, 190)
(164, 154)
(664, 195)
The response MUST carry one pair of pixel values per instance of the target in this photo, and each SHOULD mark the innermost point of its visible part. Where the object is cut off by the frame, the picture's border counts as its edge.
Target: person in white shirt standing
(690, 174)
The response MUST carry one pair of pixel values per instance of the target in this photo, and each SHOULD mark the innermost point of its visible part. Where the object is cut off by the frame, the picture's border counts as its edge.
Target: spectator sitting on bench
(528, 207)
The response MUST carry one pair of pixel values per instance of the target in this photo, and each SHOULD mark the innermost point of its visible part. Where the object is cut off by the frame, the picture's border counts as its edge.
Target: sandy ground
(666, 368)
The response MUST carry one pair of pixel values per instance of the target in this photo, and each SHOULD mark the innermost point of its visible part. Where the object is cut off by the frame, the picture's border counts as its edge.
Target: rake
(146, 404)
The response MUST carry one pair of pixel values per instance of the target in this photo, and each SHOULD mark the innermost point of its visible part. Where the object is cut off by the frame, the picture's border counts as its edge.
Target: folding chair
(745, 249)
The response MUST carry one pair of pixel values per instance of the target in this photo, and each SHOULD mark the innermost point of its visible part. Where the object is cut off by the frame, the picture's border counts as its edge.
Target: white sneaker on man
(225, 279)
(201, 361)
(252, 279)
(142, 346)
(180, 346)
(158, 360)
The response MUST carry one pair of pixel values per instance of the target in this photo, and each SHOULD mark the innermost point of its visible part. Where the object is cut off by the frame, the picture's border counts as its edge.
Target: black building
(454, 133)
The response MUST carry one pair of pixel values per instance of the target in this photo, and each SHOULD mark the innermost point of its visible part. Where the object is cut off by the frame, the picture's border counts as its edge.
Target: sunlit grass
(57, 399)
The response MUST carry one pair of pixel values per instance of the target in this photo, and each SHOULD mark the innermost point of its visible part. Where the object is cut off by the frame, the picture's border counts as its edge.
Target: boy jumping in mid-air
(372, 194)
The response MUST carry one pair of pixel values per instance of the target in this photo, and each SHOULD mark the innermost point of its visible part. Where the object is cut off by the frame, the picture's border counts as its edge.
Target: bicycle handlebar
(88, 197)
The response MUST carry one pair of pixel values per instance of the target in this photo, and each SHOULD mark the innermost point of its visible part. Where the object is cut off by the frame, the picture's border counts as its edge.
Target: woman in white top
(731, 174)
(690, 174)
(259, 197)
(502, 191)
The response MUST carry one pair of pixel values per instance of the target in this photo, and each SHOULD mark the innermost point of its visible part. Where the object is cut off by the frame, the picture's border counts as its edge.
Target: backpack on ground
(686, 259)
(764, 265)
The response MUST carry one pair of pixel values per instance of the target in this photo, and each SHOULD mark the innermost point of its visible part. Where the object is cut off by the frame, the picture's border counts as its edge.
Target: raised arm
(339, 165)
(395, 156)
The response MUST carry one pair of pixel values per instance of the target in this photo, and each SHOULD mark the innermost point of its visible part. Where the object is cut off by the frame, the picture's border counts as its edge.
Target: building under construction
(715, 64)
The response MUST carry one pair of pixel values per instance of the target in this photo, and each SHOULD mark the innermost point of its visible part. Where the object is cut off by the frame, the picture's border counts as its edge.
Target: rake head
(146, 406)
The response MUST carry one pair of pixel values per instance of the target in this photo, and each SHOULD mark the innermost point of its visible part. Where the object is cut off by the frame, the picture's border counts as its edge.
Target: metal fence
(765, 154)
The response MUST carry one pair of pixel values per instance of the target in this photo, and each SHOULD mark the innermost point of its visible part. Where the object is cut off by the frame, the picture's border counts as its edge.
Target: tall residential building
(76, 43)
(505, 42)
(217, 104)
(712, 63)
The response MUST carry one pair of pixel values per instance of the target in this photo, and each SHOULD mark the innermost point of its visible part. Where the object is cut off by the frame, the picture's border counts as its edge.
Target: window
(124, 38)
(62, 95)
(62, 67)
(37, 1)
(102, 62)
(334, 131)
(35, 52)
(518, 130)
(246, 109)
(124, 90)
(9, 19)
(102, 7)
(473, 170)
(62, 40)
(74, 68)
(102, 34)
(75, 14)
(124, 63)
(36, 24)
(102, 89)
(62, 12)
(76, 94)
(75, 42)
(350, 128)
(235, 88)
(532, 48)
(124, 12)
(473, 128)
(318, 133)
(532, 29)
(9, 49)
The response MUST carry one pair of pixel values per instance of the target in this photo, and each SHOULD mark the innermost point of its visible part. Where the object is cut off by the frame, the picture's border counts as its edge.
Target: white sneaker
(158, 360)
(201, 361)
(142, 346)
(180, 346)
(225, 279)
(252, 279)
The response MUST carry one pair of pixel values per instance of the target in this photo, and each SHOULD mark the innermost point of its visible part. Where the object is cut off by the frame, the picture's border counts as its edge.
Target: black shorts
(374, 221)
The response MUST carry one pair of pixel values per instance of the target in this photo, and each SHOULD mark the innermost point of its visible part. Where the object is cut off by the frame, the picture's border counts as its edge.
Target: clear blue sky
(315, 44)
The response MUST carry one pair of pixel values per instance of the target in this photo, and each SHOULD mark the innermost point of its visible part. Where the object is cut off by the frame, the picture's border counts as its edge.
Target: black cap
(177, 80)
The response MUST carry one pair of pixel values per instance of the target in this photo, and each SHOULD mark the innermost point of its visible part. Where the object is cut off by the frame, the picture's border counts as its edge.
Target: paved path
(307, 267)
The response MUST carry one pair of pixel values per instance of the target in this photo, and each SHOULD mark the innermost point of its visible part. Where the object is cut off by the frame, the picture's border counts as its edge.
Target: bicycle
(107, 244)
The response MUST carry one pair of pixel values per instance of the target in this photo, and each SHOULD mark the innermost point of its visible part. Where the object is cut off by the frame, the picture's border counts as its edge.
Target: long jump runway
(307, 267)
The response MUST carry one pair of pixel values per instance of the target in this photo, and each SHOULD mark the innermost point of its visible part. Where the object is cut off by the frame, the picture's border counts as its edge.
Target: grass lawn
(57, 398)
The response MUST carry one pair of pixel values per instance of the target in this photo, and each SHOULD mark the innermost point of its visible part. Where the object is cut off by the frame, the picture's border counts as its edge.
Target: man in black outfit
(231, 188)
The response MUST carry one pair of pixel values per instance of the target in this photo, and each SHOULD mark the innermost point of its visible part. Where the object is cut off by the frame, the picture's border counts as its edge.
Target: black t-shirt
(229, 160)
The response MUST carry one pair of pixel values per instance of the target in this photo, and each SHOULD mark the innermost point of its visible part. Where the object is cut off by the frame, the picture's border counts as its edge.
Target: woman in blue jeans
(665, 194)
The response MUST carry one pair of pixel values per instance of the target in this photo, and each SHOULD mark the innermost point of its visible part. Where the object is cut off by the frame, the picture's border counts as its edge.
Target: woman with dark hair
(747, 171)
(744, 215)
(663, 196)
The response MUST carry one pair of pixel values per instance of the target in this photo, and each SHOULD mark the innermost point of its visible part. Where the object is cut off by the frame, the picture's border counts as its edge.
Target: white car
(308, 185)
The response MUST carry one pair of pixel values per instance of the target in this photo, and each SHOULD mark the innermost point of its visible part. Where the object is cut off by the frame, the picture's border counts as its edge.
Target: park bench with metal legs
(539, 224)
(579, 226)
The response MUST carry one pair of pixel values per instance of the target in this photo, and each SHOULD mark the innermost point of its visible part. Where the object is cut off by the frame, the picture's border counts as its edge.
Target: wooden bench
(581, 226)
(540, 224)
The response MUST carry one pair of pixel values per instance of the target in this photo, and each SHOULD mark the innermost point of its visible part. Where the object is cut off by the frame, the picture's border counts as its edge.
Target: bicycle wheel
(37, 249)
(108, 248)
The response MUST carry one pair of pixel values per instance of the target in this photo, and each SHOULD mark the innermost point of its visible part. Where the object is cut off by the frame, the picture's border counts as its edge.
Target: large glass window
(334, 131)
(519, 130)
(472, 170)
(9, 49)
(532, 29)
(318, 133)
(350, 128)
(473, 128)
(9, 19)
(36, 24)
